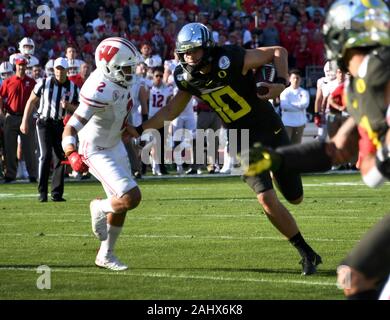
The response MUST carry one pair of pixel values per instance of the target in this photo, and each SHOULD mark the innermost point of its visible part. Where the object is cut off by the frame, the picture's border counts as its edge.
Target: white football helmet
(6, 70)
(117, 58)
(31, 63)
(27, 46)
(330, 68)
(49, 68)
(153, 61)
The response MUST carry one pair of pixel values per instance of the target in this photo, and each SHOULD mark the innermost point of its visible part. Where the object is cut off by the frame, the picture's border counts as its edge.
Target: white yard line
(322, 184)
(177, 276)
(161, 236)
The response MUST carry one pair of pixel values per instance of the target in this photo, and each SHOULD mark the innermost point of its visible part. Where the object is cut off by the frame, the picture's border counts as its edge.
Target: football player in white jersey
(26, 48)
(73, 62)
(183, 133)
(323, 91)
(99, 121)
(159, 95)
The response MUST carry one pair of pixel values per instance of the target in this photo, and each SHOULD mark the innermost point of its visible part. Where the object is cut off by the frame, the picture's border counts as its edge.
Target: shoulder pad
(97, 91)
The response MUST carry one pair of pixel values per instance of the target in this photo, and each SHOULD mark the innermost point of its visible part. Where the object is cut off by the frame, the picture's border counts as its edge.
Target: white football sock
(107, 246)
(106, 206)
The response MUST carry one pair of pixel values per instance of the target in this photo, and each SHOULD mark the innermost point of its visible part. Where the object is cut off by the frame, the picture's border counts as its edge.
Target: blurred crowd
(74, 28)
(294, 24)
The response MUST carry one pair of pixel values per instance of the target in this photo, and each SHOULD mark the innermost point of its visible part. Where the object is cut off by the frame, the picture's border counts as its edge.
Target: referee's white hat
(61, 62)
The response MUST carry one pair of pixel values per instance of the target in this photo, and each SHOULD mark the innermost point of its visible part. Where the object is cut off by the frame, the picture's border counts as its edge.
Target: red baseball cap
(21, 60)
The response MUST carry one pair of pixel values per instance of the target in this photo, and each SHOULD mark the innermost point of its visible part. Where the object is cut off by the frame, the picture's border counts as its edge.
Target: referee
(56, 95)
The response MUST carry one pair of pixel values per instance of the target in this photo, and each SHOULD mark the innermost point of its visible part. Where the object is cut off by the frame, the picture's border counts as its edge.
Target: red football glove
(76, 162)
(318, 120)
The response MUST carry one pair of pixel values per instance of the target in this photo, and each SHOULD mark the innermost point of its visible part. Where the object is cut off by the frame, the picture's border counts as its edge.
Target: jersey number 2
(222, 108)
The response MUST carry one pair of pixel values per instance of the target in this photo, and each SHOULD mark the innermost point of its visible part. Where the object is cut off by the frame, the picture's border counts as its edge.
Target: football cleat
(309, 264)
(110, 262)
(258, 160)
(99, 220)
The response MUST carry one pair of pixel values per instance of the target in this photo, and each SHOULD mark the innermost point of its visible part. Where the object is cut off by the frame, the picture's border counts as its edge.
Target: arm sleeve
(85, 112)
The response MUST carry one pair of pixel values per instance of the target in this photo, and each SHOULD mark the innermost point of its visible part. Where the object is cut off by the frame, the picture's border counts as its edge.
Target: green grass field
(189, 239)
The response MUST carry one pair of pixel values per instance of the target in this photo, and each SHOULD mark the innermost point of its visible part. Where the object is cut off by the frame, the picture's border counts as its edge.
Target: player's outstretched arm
(174, 107)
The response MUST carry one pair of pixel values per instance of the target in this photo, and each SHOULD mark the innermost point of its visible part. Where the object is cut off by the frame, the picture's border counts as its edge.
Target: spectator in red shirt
(188, 6)
(288, 39)
(82, 76)
(307, 23)
(108, 28)
(15, 91)
(317, 49)
(135, 35)
(299, 30)
(123, 29)
(302, 55)
(29, 26)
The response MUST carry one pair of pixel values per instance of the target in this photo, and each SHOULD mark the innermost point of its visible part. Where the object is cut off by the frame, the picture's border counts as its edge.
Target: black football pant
(49, 139)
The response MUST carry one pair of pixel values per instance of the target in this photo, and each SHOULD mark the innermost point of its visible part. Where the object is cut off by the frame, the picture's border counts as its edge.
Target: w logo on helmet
(107, 52)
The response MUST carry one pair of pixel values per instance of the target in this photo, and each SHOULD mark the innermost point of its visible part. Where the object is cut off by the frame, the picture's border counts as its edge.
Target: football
(265, 73)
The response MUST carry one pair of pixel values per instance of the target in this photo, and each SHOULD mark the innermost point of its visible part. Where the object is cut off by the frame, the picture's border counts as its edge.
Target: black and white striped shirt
(51, 93)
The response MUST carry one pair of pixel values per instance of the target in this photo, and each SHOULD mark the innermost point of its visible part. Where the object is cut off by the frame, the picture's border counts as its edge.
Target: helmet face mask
(355, 24)
(193, 36)
(125, 72)
(117, 59)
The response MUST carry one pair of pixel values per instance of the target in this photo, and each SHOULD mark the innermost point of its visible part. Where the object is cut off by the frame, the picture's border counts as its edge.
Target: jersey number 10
(227, 114)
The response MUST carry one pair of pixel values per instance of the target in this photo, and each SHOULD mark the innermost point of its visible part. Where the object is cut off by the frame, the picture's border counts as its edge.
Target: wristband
(145, 117)
(139, 130)
(67, 141)
(75, 123)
